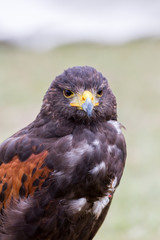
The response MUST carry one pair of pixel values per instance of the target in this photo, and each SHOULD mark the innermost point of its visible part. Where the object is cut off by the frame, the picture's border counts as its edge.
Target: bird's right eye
(68, 93)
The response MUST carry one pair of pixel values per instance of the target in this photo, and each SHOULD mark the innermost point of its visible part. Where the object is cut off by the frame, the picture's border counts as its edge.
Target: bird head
(80, 94)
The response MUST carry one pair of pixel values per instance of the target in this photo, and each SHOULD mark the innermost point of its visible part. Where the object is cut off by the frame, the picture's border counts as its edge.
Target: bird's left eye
(68, 93)
(99, 93)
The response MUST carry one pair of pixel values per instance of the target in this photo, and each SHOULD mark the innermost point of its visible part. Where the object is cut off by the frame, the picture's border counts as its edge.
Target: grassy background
(133, 71)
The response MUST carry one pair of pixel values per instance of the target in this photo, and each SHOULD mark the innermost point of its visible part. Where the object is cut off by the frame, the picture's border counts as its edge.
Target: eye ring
(100, 93)
(68, 93)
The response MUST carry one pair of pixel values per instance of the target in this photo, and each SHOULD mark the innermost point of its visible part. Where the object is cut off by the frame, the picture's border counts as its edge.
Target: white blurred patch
(111, 148)
(99, 206)
(103, 201)
(76, 153)
(58, 173)
(114, 183)
(112, 186)
(96, 142)
(23, 204)
(117, 125)
(98, 168)
(20, 206)
(77, 205)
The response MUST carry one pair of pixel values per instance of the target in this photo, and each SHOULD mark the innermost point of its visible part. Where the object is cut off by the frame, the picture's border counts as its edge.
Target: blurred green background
(133, 71)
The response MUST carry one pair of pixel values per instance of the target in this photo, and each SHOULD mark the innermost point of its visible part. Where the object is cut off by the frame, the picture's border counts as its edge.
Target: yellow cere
(81, 98)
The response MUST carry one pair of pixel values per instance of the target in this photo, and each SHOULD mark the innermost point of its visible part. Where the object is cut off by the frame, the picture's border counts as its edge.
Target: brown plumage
(58, 175)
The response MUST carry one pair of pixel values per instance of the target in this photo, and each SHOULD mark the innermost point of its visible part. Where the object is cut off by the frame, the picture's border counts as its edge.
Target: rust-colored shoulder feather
(21, 178)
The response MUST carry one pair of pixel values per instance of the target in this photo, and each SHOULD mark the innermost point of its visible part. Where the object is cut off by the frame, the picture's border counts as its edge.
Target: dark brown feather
(58, 175)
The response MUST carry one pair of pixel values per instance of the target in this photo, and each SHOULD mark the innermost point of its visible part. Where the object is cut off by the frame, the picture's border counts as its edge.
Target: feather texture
(58, 175)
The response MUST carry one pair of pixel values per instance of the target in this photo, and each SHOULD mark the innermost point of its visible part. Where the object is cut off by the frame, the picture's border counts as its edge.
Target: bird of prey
(58, 175)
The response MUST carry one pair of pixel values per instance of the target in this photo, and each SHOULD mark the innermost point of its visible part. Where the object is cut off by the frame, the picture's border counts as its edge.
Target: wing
(22, 169)
(117, 157)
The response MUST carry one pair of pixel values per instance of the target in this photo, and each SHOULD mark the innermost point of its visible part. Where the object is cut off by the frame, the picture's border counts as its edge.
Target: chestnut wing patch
(19, 179)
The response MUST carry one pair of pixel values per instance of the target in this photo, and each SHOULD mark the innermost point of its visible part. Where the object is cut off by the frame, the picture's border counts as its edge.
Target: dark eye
(68, 93)
(99, 93)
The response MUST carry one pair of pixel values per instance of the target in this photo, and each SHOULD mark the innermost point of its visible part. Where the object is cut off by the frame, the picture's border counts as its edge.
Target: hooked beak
(85, 101)
(88, 106)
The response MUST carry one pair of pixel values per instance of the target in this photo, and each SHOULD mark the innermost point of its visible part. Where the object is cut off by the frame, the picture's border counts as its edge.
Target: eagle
(58, 175)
